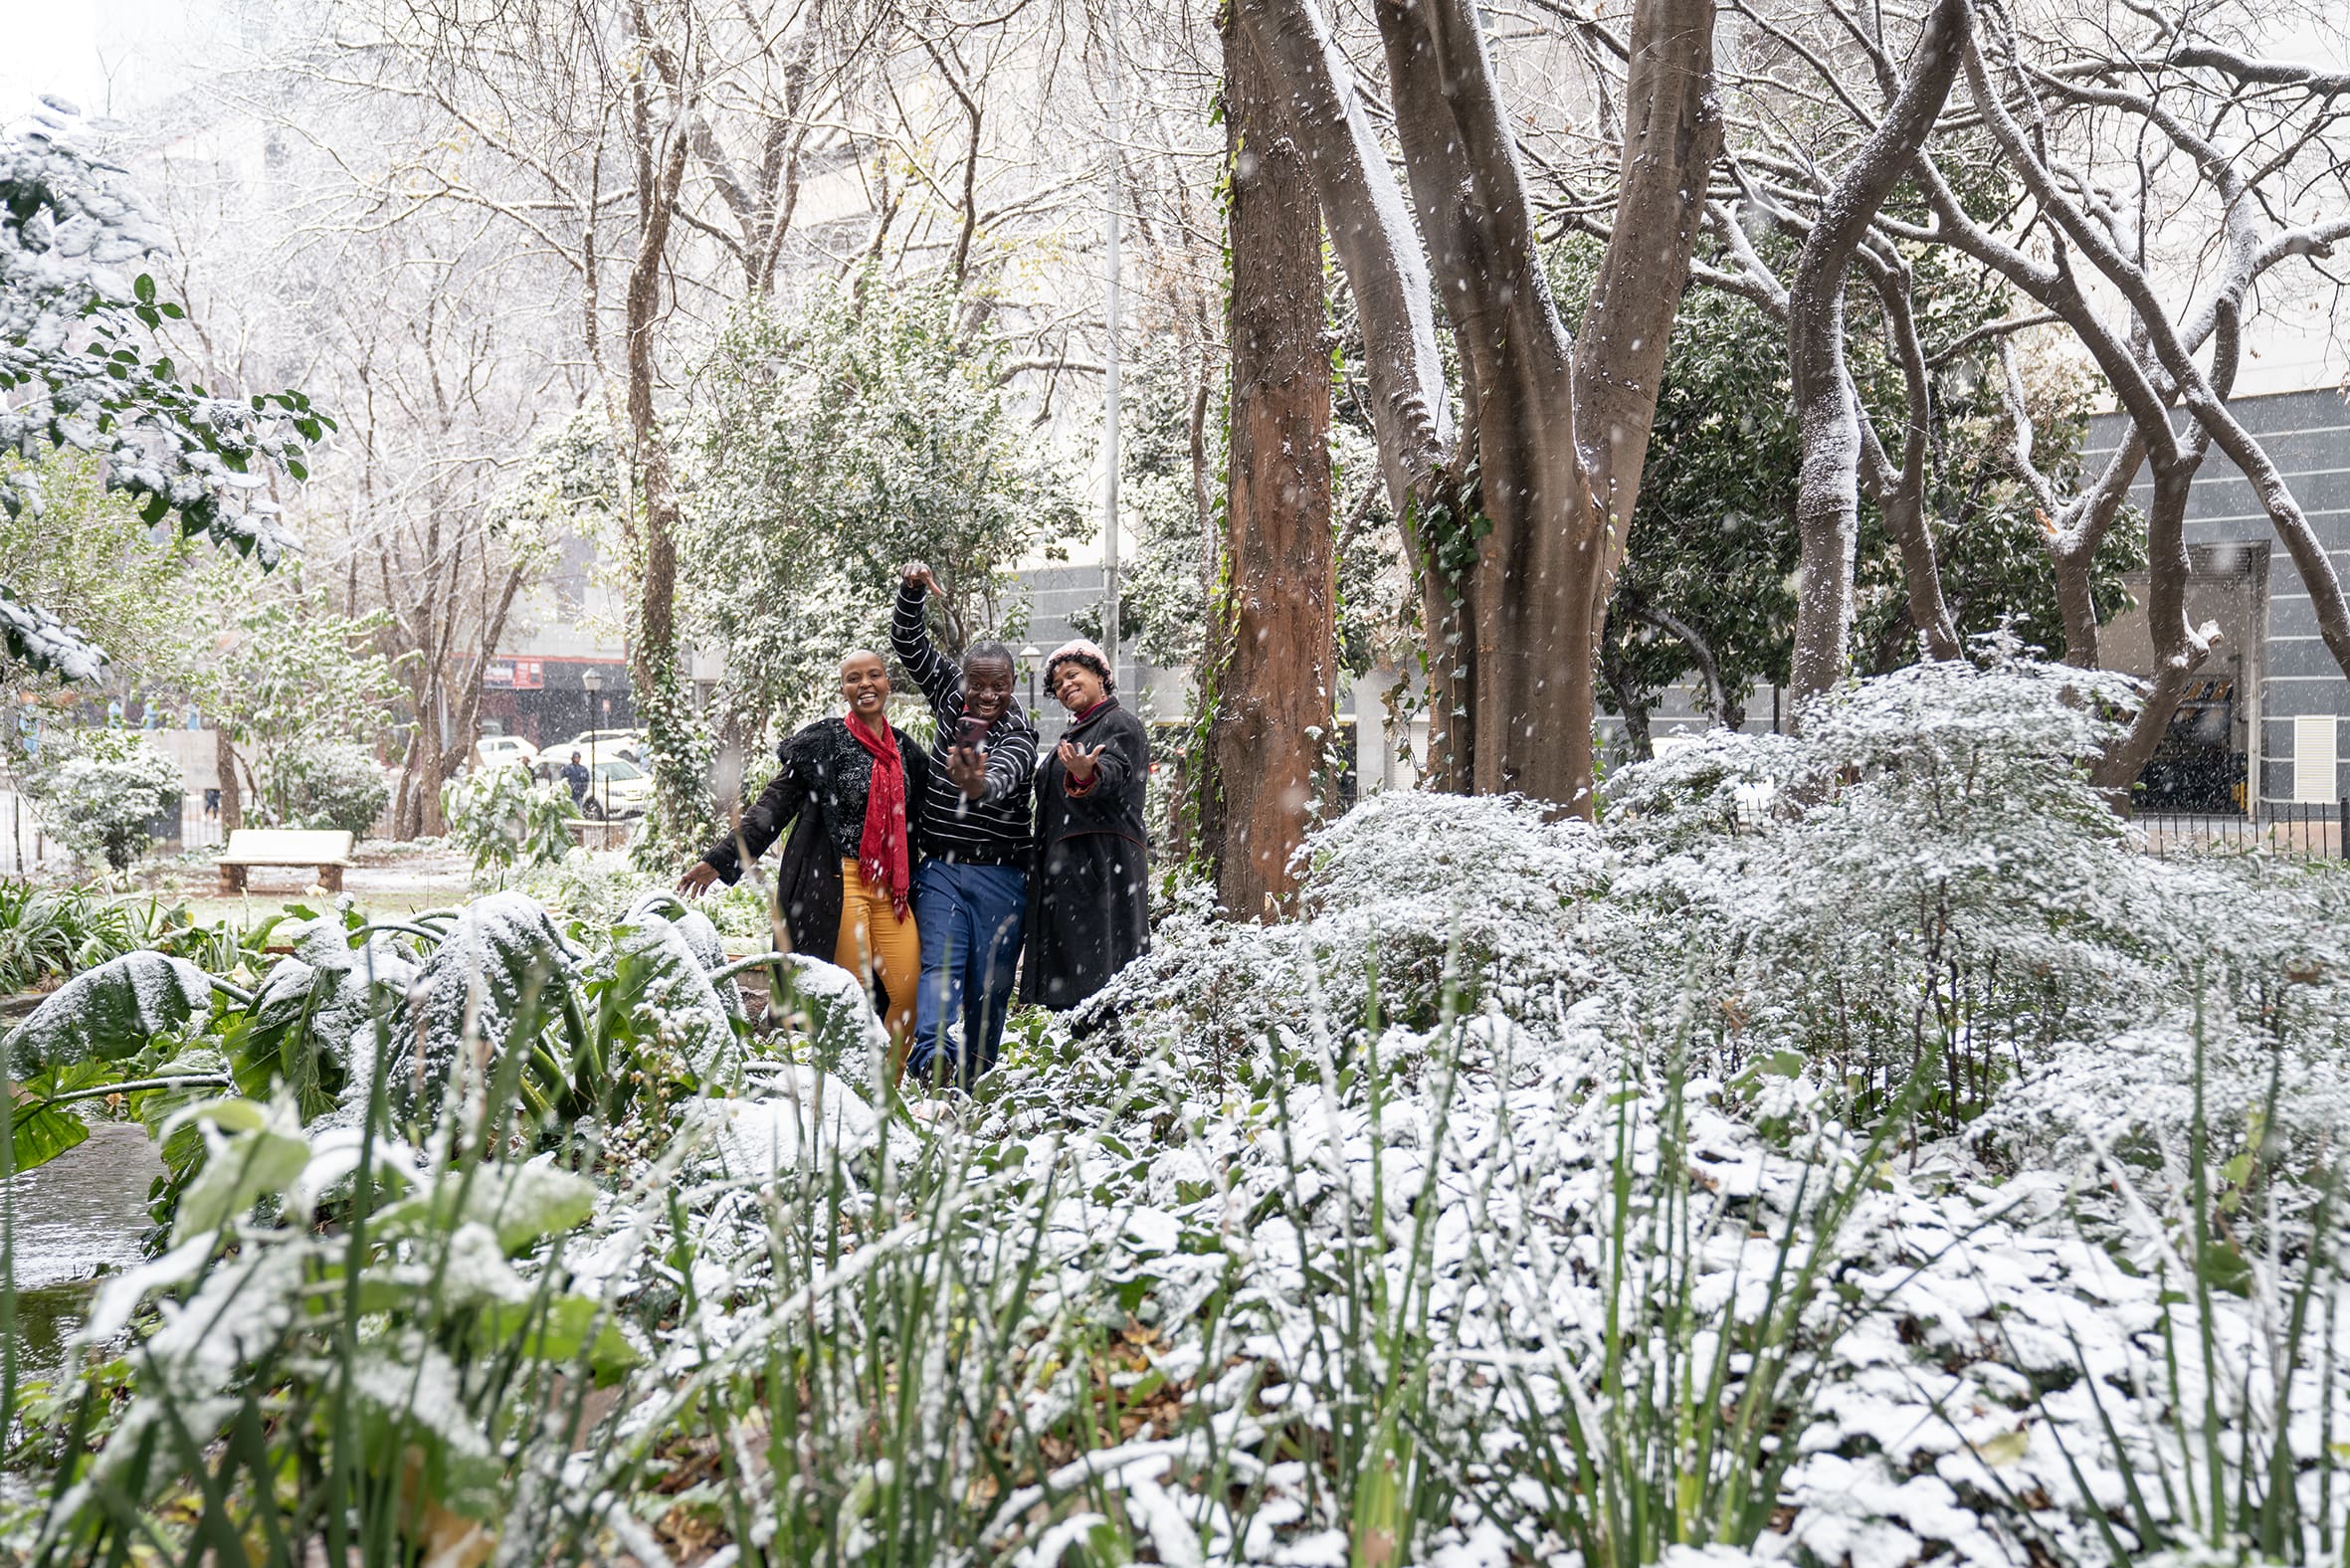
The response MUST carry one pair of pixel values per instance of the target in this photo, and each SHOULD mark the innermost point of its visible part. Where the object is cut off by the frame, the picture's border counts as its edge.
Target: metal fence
(2299, 830)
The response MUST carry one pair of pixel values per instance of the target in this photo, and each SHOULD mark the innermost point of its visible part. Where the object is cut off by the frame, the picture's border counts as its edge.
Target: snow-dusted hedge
(99, 797)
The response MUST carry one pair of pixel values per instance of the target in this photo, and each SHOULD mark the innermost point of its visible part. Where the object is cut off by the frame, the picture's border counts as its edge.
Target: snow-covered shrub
(588, 885)
(501, 817)
(101, 795)
(1934, 870)
(336, 784)
(1412, 902)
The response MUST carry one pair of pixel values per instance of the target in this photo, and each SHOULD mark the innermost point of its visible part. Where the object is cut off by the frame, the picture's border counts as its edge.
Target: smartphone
(974, 730)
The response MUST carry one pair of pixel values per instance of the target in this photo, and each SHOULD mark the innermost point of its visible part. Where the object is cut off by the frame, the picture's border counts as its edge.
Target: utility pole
(1109, 488)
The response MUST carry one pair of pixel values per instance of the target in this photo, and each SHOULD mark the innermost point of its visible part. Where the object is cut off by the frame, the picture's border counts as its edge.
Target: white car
(493, 751)
(617, 787)
(598, 744)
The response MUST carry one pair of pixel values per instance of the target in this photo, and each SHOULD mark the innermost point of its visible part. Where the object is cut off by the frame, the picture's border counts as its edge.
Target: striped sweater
(996, 829)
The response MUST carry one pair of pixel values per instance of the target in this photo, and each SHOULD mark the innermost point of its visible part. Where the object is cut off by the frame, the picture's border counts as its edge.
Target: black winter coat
(821, 793)
(1089, 903)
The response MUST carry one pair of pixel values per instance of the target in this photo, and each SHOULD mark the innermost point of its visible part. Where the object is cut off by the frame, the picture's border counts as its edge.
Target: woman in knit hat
(1089, 903)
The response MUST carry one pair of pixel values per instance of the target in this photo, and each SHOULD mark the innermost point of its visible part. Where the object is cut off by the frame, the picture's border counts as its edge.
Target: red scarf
(882, 855)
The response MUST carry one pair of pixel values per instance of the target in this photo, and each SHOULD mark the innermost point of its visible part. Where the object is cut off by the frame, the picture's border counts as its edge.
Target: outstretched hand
(966, 769)
(698, 880)
(1079, 761)
(916, 574)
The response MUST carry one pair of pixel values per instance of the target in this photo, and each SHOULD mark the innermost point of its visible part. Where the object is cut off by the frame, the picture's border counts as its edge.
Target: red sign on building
(516, 675)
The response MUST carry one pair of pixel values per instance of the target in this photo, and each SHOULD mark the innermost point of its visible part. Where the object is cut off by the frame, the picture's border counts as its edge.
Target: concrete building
(2263, 724)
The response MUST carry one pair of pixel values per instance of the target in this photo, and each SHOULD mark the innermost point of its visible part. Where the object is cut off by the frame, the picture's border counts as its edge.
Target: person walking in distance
(846, 880)
(971, 893)
(1089, 903)
(575, 779)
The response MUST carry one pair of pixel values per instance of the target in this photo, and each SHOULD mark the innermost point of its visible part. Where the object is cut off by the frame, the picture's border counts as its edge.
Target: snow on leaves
(79, 367)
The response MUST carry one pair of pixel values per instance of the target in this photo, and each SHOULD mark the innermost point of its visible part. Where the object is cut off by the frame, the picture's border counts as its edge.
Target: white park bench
(327, 850)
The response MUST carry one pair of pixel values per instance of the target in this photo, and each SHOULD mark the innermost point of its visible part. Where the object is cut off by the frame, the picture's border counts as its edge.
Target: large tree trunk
(660, 171)
(679, 809)
(1828, 495)
(1275, 693)
(1559, 430)
(2179, 647)
(1901, 492)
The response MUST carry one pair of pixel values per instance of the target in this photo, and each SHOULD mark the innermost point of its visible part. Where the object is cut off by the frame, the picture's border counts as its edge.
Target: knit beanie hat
(1085, 652)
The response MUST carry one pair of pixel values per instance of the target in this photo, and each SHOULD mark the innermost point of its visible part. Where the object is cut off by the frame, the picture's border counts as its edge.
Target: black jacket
(821, 793)
(1088, 901)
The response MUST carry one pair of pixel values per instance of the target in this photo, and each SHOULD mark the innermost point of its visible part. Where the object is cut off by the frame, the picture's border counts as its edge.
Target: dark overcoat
(820, 795)
(1089, 903)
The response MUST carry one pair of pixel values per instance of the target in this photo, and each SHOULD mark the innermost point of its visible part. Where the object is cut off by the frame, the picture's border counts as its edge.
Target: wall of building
(2297, 693)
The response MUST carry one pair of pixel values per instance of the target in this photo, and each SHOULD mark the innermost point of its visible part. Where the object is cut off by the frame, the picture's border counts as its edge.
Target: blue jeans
(969, 919)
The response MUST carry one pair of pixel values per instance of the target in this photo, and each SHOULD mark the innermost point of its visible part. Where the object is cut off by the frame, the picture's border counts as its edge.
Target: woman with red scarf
(845, 880)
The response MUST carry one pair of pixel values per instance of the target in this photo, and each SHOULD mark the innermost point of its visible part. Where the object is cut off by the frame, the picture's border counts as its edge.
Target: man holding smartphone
(970, 896)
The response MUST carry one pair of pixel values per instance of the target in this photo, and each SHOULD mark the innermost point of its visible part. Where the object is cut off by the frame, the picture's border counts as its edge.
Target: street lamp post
(591, 680)
(1030, 654)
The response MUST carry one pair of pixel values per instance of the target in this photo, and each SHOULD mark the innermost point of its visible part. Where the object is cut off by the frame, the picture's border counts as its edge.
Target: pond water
(77, 1219)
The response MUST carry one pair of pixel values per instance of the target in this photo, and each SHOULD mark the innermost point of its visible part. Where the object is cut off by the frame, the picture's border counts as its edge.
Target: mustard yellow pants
(872, 939)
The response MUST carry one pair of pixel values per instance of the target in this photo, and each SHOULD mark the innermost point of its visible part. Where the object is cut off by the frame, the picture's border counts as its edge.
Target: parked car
(595, 744)
(492, 751)
(617, 787)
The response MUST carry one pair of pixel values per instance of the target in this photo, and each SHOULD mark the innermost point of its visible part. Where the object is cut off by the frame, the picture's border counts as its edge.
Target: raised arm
(940, 682)
(1122, 754)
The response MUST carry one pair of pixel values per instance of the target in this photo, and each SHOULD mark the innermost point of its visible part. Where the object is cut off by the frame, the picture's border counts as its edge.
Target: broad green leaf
(660, 982)
(111, 1013)
(263, 1151)
(300, 1028)
(560, 1333)
(39, 1132)
(503, 961)
(522, 1202)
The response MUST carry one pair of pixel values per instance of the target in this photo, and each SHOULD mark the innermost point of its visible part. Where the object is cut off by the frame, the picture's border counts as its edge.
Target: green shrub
(502, 818)
(99, 797)
(336, 784)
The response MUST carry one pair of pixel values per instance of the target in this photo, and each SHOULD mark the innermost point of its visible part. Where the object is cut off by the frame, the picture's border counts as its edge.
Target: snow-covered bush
(1411, 899)
(100, 794)
(334, 784)
(502, 818)
(1934, 873)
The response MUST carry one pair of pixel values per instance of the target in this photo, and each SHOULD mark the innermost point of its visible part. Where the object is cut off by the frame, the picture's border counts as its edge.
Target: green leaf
(503, 965)
(42, 1131)
(109, 1014)
(144, 287)
(264, 1152)
(522, 1202)
(560, 1333)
